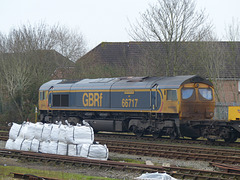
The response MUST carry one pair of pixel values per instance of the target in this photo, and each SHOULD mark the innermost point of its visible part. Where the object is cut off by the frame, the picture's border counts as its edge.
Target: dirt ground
(105, 172)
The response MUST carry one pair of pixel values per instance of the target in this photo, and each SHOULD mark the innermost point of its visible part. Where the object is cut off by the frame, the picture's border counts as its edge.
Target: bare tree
(16, 79)
(171, 21)
(69, 43)
(28, 56)
(232, 31)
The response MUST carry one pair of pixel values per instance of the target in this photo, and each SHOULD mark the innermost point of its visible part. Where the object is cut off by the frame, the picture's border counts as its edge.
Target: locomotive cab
(43, 100)
(197, 101)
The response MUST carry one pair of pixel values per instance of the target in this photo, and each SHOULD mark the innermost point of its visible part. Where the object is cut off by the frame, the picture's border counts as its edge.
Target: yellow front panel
(234, 113)
(43, 104)
(170, 106)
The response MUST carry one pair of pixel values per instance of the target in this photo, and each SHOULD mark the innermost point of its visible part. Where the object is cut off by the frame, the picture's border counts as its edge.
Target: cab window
(42, 95)
(187, 93)
(172, 95)
(206, 93)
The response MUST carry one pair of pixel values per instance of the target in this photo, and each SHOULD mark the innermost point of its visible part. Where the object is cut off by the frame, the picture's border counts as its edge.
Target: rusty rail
(31, 177)
(165, 140)
(226, 168)
(176, 172)
(173, 152)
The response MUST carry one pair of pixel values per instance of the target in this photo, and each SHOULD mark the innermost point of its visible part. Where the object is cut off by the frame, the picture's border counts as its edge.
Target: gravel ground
(105, 172)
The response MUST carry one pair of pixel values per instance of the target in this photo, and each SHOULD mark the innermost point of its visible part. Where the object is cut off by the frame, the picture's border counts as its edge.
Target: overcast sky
(101, 20)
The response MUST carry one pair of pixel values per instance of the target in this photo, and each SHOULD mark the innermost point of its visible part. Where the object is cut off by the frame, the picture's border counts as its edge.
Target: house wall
(227, 91)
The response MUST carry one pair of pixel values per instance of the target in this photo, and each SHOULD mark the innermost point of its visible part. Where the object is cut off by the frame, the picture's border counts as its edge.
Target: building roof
(203, 58)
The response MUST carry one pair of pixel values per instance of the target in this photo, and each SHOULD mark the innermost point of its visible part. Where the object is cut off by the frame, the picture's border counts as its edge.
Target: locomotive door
(154, 103)
(50, 96)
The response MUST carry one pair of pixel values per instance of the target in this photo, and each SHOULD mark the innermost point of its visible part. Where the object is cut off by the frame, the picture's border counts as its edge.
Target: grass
(128, 160)
(5, 173)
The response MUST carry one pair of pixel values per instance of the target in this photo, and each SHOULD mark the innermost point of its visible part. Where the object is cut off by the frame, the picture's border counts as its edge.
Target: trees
(29, 56)
(233, 31)
(171, 22)
(69, 43)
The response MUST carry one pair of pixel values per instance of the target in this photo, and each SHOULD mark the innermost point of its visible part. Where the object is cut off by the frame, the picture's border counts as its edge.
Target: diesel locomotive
(162, 106)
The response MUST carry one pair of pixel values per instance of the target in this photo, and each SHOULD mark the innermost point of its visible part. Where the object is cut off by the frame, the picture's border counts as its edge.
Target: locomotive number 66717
(170, 106)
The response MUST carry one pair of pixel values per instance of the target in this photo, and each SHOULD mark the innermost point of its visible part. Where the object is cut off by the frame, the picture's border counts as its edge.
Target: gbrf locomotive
(161, 106)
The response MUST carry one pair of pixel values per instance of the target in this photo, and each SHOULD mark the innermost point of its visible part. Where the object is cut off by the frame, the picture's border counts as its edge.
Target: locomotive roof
(124, 83)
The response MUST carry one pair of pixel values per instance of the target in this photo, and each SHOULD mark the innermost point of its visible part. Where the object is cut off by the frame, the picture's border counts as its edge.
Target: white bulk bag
(70, 134)
(30, 131)
(14, 131)
(53, 146)
(72, 149)
(155, 176)
(26, 145)
(94, 151)
(23, 130)
(55, 132)
(46, 132)
(35, 145)
(44, 145)
(62, 148)
(9, 144)
(83, 135)
(18, 143)
(62, 133)
(38, 131)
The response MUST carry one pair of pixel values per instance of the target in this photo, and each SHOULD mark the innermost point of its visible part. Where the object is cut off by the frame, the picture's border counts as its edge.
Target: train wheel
(232, 138)
(137, 131)
(156, 135)
(139, 134)
(194, 138)
(174, 135)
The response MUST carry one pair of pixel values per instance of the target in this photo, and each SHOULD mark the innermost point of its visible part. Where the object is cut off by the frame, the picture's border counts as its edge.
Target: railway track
(122, 136)
(166, 140)
(5, 128)
(167, 147)
(226, 156)
(177, 172)
(173, 152)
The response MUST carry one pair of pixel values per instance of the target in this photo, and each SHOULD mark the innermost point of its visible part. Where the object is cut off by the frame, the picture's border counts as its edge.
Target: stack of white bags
(56, 139)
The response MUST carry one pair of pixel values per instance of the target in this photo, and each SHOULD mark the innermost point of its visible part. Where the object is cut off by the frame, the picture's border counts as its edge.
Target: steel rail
(176, 172)
(166, 140)
(175, 152)
(31, 176)
(169, 147)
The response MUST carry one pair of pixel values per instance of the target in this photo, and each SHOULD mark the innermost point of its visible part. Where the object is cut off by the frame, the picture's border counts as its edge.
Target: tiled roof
(222, 58)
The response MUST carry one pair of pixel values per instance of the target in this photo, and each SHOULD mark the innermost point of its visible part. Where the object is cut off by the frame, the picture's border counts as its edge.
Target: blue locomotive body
(173, 106)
